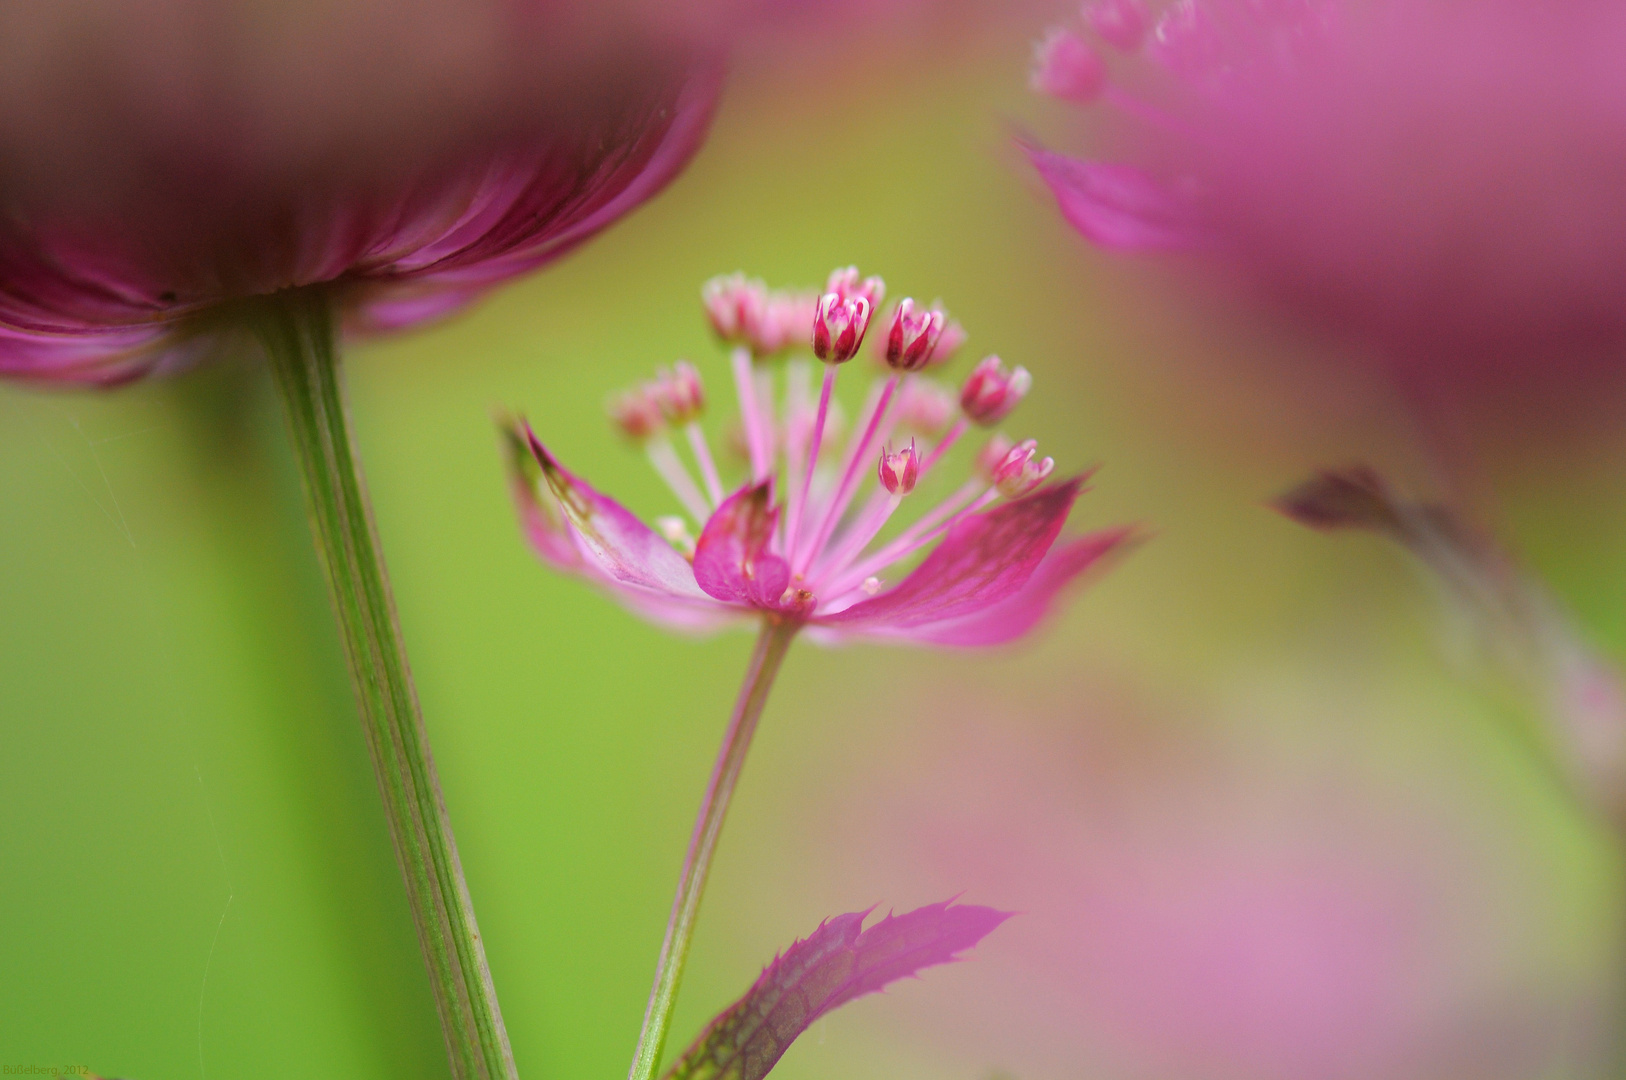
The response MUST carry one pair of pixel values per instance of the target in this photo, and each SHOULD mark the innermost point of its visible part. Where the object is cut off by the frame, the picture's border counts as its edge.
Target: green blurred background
(195, 878)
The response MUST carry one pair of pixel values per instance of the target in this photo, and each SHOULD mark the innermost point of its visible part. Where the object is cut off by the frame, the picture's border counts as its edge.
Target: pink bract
(1440, 179)
(143, 212)
(801, 540)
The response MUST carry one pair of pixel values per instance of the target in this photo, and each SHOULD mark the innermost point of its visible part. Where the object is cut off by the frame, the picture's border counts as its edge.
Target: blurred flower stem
(297, 331)
(772, 644)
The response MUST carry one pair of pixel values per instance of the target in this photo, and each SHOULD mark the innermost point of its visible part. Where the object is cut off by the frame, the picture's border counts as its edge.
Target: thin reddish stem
(772, 644)
(953, 436)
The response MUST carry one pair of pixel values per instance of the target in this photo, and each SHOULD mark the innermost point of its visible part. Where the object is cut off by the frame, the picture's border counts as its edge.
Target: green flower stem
(772, 644)
(297, 331)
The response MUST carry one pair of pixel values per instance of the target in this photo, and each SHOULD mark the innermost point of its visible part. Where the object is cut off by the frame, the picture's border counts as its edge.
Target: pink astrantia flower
(800, 541)
(133, 234)
(1441, 180)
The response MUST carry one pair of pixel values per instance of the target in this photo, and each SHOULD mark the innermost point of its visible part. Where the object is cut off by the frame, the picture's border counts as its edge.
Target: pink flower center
(828, 516)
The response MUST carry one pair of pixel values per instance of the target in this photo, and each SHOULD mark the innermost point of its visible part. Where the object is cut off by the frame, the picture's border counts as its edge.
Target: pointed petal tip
(1346, 498)
(543, 456)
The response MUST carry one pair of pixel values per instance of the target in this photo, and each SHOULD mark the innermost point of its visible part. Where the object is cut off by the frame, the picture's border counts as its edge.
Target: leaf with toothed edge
(838, 962)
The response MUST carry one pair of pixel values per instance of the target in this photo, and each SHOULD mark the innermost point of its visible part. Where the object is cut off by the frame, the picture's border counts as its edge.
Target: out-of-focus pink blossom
(1120, 23)
(1198, 909)
(171, 159)
(991, 391)
(814, 555)
(1067, 68)
(911, 339)
(1440, 179)
(926, 406)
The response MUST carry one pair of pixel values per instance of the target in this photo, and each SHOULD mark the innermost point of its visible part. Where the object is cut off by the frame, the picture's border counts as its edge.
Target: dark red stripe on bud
(838, 327)
(911, 341)
(898, 470)
(991, 392)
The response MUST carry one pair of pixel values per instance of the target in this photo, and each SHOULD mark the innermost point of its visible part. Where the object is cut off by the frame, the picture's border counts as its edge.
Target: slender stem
(296, 329)
(772, 644)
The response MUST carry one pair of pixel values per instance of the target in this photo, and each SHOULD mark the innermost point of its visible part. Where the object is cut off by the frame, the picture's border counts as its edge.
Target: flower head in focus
(415, 159)
(1438, 179)
(805, 538)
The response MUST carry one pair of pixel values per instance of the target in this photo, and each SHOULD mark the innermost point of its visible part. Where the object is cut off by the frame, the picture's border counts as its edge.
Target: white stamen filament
(665, 460)
(703, 458)
(858, 452)
(798, 433)
(870, 521)
(751, 413)
(911, 540)
(798, 508)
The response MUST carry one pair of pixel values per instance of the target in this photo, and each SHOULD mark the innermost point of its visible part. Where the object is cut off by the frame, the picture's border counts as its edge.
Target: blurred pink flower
(813, 557)
(1196, 908)
(1440, 179)
(168, 160)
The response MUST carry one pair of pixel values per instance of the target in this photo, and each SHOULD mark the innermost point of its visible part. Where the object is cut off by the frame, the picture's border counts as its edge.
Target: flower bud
(949, 342)
(1065, 67)
(838, 327)
(992, 455)
(991, 392)
(1120, 23)
(679, 393)
(782, 321)
(1185, 41)
(845, 284)
(925, 406)
(1020, 473)
(913, 336)
(734, 305)
(899, 469)
(676, 532)
(637, 412)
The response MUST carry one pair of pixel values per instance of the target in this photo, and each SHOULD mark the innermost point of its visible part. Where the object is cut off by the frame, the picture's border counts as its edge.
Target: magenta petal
(983, 560)
(731, 558)
(539, 512)
(611, 539)
(1118, 207)
(1020, 613)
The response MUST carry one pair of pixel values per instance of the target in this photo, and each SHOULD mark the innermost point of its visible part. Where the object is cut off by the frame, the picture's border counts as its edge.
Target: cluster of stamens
(824, 527)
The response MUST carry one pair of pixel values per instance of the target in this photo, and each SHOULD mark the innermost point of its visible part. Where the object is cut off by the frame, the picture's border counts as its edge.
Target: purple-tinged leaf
(1353, 498)
(1358, 498)
(837, 963)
